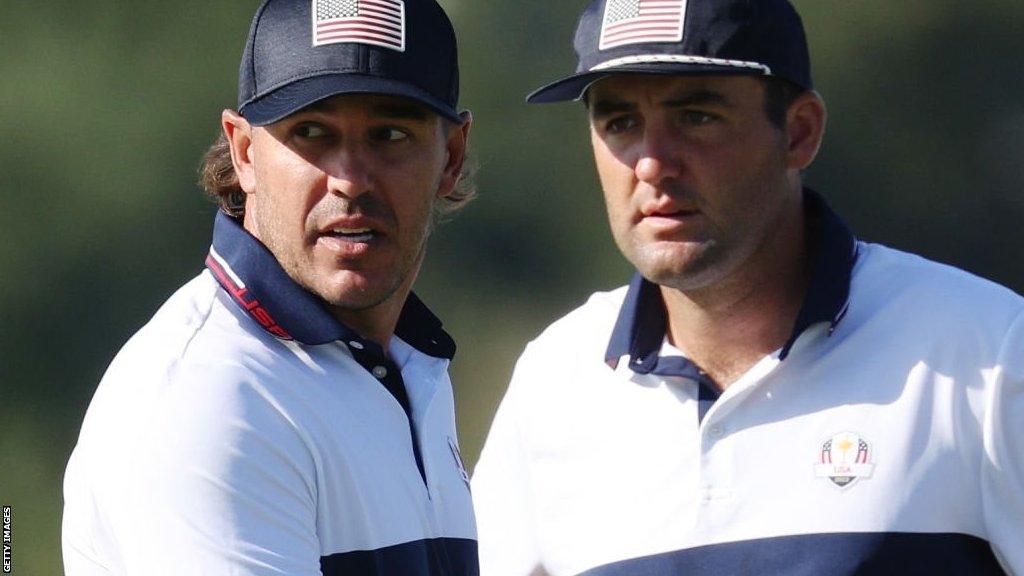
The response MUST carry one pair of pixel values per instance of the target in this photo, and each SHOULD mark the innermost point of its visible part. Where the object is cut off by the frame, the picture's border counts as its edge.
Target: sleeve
(1003, 466)
(502, 493)
(78, 527)
(213, 479)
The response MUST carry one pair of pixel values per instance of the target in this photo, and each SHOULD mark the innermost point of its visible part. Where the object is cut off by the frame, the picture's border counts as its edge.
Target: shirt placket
(371, 357)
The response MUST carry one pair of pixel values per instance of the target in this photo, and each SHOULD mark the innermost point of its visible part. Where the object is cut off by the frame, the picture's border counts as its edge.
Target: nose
(349, 173)
(660, 156)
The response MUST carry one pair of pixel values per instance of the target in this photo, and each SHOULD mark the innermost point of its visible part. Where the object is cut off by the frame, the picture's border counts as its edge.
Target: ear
(457, 142)
(805, 127)
(239, 134)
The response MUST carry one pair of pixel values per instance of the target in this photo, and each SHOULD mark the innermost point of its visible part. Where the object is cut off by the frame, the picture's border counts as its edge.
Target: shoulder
(197, 324)
(197, 335)
(193, 371)
(570, 348)
(185, 421)
(933, 308)
(584, 330)
(920, 285)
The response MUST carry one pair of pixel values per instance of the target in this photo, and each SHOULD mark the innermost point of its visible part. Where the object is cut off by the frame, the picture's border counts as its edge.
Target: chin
(684, 282)
(353, 291)
(684, 272)
(351, 299)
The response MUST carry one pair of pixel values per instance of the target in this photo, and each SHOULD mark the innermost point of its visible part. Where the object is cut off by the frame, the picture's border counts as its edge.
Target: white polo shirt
(886, 437)
(244, 431)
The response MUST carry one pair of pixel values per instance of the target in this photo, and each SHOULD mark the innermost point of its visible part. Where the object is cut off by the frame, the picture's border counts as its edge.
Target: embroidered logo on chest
(845, 458)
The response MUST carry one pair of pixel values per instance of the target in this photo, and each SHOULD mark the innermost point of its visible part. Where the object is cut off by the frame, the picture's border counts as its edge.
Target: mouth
(668, 224)
(668, 206)
(681, 214)
(352, 235)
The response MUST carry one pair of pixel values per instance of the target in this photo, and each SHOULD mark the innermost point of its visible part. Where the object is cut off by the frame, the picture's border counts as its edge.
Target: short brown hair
(779, 95)
(217, 177)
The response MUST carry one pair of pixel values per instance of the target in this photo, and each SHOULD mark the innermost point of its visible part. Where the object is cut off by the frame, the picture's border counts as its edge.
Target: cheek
(617, 183)
(621, 219)
(415, 175)
(290, 190)
(609, 168)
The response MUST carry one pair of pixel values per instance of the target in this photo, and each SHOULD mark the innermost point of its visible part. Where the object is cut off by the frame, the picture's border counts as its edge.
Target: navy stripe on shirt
(839, 554)
(434, 557)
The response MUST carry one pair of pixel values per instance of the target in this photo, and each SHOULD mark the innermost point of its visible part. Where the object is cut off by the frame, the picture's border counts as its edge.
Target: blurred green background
(107, 107)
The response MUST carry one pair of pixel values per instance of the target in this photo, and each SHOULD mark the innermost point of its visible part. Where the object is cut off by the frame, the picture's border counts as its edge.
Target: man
(289, 410)
(768, 395)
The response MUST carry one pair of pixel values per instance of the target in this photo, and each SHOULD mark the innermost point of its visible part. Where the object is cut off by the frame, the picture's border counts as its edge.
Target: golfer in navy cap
(288, 411)
(768, 395)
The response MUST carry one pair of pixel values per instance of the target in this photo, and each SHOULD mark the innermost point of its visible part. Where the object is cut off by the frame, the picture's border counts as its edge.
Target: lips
(672, 214)
(352, 228)
(665, 206)
(350, 235)
(669, 217)
(667, 214)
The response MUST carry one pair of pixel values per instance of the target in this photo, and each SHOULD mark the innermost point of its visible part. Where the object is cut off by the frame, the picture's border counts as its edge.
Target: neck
(376, 324)
(729, 326)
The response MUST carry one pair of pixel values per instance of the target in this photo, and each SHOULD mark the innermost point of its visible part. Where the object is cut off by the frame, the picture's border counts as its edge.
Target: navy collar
(259, 286)
(641, 326)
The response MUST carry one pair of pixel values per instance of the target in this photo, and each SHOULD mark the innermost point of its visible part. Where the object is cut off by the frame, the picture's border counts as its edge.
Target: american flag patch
(375, 22)
(640, 21)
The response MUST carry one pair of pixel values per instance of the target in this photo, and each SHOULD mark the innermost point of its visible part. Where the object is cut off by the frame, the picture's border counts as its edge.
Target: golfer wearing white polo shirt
(769, 395)
(289, 411)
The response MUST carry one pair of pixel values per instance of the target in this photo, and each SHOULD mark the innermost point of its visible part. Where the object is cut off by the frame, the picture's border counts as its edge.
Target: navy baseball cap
(302, 51)
(725, 37)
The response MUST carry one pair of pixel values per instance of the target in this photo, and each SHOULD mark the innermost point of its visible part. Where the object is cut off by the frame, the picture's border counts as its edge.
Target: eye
(620, 124)
(389, 134)
(697, 117)
(311, 131)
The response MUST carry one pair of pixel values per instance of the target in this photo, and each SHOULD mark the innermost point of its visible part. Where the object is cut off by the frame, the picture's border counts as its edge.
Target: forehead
(368, 106)
(637, 88)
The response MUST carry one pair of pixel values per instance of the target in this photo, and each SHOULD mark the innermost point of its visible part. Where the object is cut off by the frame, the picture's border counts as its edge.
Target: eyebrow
(608, 106)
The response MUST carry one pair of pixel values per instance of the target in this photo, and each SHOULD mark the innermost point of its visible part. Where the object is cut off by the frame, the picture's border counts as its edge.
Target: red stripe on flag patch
(636, 21)
(375, 22)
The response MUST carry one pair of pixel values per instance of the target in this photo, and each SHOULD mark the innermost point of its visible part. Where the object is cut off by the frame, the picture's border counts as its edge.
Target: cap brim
(573, 88)
(293, 97)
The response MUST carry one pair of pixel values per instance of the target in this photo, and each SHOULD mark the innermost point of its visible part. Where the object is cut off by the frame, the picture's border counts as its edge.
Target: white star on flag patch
(642, 21)
(374, 22)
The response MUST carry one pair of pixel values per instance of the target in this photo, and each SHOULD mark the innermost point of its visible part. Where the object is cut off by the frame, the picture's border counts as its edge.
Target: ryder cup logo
(845, 458)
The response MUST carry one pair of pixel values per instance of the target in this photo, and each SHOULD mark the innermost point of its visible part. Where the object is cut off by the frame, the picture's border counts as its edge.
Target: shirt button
(356, 345)
(380, 372)
(717, 430)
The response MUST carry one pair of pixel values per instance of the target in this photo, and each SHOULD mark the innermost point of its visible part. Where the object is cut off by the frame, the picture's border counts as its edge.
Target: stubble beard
(684, 269)
(356, 299)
